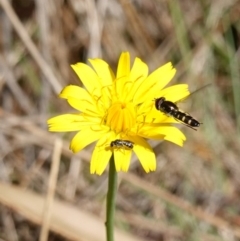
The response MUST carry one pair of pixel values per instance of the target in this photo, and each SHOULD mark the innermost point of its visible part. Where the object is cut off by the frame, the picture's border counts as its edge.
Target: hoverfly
(125, 144)
(169, 108)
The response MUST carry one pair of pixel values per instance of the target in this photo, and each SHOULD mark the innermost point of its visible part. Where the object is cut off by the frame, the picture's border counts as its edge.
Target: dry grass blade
(11, 82)
(67, 220)
(184, 205)
(57, 87)
(51, 189)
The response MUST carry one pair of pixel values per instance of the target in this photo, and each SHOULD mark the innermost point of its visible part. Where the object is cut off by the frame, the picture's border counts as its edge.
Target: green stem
(111, 197)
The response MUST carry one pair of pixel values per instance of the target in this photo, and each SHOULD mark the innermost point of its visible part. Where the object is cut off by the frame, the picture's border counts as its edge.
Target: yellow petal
(88, 77)
(67, 122)
(79, 99)
(159, 117)
(106, 78)
(138, 73)
(99, 161)
(103, 70)
(123, 65)
(144, 153)
(154, 83)
(166, 132)
(174, 93)
(122, 79)
(84, 106)
(85, 137)
(139, 69)
(120, 85)
(74, 91)
(101, 154)
(122, 159)
(155, 116)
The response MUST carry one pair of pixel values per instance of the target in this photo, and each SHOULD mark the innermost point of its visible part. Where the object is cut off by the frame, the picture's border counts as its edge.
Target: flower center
(121, 116)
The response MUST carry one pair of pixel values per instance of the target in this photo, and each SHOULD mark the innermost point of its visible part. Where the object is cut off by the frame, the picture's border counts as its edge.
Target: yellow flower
(119, 107)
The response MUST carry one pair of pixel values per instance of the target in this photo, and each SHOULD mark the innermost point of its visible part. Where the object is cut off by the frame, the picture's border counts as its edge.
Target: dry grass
(194, 194)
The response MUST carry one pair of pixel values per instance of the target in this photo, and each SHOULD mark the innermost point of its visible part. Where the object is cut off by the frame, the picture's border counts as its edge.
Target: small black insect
(125, 144)
(169, 108)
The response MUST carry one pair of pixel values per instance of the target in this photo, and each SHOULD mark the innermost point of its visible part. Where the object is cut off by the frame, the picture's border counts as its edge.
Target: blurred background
(195, 192)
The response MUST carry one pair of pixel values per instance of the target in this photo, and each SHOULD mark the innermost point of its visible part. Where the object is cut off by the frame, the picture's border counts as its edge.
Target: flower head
(119, 107)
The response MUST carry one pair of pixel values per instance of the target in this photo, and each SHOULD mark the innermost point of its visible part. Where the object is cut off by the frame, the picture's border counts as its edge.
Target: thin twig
(51, 190)
(17, 92)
